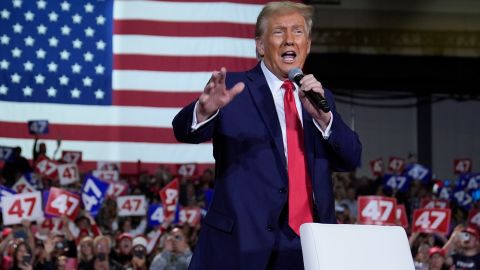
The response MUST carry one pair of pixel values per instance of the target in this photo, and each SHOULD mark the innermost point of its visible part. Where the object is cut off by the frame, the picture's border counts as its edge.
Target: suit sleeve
(344, 145)
(182, 127)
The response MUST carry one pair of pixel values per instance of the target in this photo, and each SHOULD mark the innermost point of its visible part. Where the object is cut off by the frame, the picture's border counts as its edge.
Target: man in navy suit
(252, 221)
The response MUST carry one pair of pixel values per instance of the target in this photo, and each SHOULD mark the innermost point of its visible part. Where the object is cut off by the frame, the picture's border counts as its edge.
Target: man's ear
(309, 44)
(260, 47)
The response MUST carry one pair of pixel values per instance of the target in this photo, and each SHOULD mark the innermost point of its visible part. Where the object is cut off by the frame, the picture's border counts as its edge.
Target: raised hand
(216, 95)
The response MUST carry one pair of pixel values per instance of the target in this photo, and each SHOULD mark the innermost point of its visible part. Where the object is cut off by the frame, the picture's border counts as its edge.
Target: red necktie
(300, 191)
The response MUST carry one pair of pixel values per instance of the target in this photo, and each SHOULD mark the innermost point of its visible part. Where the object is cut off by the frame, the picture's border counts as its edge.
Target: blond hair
(283, 8)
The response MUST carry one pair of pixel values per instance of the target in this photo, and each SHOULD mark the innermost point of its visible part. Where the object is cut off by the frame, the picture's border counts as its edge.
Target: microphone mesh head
(293, 73)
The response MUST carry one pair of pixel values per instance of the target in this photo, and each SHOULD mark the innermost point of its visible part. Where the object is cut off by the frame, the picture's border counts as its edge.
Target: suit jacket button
(282, 190)
(269, 228)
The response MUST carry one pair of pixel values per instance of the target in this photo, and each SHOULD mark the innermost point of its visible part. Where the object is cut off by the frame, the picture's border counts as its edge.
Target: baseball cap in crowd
(6, 231)
(140, 240)
(472, 231)
(436, 250)
(124, 235)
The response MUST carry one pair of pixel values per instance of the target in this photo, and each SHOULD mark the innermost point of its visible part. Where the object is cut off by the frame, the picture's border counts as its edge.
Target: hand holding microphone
(317, 100)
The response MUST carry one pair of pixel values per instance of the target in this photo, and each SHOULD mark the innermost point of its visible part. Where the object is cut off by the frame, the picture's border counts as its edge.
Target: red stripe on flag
(181, 64)
(93, 133)
(183, 29)
(154, 99)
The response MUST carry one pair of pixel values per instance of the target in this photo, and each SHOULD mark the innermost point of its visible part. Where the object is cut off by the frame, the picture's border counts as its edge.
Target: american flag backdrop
(110, 75)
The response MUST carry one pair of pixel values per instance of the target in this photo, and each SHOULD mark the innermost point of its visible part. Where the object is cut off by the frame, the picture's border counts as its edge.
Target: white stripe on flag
(88, 115)
(186, 12)
(184, 46)
(160, 81)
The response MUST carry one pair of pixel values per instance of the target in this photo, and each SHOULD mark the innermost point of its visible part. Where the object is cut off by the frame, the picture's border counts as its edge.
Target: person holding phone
(139, 250)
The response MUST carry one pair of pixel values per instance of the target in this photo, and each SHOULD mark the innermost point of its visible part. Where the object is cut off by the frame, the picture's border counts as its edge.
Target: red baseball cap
(472, 231)
(124, 235)
(434, 250)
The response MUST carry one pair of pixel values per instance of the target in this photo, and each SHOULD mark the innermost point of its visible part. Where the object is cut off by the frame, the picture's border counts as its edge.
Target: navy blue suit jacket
(251, 182)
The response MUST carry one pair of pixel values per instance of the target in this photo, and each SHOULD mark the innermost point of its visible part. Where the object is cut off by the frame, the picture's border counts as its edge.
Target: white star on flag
(75, 93)
(27, 91)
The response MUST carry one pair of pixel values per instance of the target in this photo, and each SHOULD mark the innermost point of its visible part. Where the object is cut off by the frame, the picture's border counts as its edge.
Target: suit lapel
(263, 99)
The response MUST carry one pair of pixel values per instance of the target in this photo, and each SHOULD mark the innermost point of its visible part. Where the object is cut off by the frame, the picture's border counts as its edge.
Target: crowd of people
(109, 241)
(106, 241)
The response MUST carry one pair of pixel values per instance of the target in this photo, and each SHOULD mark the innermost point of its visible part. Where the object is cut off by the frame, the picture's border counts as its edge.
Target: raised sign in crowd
(56, 217)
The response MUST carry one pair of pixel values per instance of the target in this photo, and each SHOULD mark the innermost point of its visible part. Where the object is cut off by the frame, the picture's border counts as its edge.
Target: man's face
(125, 246)
(285, 43)
(469, 241)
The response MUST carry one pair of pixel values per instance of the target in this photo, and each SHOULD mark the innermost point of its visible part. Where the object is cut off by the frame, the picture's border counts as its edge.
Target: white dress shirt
(278, 92)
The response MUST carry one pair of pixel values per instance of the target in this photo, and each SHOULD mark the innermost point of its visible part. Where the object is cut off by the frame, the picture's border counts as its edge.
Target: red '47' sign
(377, 166)
(401, 215)
(46, 167)
(462, 165)
(474, 217)
(434, 203)
(169, 196)
(396, 164)
(18, 207)
(61, 202)
(377, 210)
(433, 220)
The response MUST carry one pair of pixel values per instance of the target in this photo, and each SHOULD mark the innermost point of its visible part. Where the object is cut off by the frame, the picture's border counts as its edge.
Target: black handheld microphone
(296, 74)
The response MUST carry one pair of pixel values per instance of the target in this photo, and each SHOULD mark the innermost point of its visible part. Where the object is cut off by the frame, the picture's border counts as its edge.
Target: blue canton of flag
(56, 52)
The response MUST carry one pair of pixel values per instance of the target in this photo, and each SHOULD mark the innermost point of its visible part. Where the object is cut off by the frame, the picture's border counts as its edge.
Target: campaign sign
(169, 196)
(108, 166)
(68, 174)
(377, 210)
(396, 164)
(93, 193)
(53, 225)
(474, 217)
(434, 220)
(401, 215)
(61, 202)
(5, 191)
(190, 215)
(462, 165)
(155, 215)
(418, 172)
(396, 182)
(46, 167)
(462, 197)
(32, 179)
(107, 175)
(72, 157)
(434, 203)
(23, 186)
(117, 189)
(18, 207)
(5, 152)
(38, 126)
(377, 167)
(187, 170)
(470, 181)
(134, 205)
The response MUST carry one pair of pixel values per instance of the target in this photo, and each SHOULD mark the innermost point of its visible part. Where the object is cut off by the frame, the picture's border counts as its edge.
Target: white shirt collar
(273, 82)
